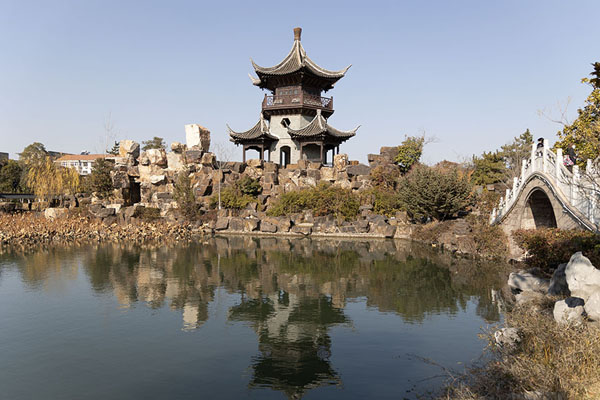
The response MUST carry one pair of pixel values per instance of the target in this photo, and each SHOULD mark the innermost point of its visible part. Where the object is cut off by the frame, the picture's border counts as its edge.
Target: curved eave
(257, 132)
(295, 61)
(319, 127)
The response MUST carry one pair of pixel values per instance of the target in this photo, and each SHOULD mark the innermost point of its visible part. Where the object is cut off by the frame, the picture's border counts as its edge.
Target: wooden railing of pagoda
(297, 100)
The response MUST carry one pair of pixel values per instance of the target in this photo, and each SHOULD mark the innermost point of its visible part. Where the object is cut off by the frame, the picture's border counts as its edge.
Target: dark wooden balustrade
(297, 100)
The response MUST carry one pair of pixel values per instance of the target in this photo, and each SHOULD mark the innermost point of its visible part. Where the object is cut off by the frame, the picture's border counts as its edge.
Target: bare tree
(224, 153)
(109, 134)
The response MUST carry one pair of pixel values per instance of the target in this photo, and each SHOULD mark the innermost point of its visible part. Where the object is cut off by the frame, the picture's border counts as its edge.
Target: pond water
(238, 317)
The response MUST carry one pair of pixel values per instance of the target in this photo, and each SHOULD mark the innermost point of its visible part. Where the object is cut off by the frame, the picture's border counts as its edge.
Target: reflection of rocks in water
(394, 276)
(293, 341)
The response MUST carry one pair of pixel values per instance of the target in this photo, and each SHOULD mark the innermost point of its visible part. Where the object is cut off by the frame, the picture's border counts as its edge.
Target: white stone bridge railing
(579, 189)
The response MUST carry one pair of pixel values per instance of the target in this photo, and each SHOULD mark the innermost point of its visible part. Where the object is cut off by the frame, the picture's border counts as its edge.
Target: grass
(552, 359)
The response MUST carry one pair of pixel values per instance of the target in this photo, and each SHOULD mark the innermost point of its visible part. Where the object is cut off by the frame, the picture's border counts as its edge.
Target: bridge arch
(539, 211)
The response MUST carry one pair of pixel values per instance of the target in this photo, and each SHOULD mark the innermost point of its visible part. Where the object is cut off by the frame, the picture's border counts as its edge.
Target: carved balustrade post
(533, 148)
(545, 151)
(523, 167)
(559, 160)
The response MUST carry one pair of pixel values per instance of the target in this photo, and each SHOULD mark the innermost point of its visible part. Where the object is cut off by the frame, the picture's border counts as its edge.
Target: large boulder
(129, 148)
(208, 160)
(340, 162)
(158, 179)
(157, 157)
(360, 169)
(268, 227)
(197, 137)
(526, 281)
(178, 147)
(592, 306)
(582, 277)
(54, 213)
(222, 224)
(382, 229)
(175, 161)
(558, 283)
(569, 310)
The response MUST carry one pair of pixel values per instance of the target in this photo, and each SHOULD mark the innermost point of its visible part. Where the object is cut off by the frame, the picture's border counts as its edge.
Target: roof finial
(297, 33)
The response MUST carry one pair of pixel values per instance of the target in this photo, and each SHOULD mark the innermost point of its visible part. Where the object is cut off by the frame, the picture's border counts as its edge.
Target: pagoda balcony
(297, 101)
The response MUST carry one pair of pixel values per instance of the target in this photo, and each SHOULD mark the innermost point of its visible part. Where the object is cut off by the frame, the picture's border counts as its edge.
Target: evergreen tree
(514, 153)
(155, 143)
(99, 179)
(115, 149)
(489, 168)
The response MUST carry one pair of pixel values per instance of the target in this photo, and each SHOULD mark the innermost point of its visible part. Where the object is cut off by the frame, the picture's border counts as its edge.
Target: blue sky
(472, 74)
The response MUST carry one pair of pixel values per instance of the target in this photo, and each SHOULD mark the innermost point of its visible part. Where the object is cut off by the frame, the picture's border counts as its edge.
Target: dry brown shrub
(551, 359)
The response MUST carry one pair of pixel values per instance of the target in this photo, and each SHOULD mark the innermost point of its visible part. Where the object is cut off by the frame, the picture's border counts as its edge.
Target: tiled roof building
(293, 121)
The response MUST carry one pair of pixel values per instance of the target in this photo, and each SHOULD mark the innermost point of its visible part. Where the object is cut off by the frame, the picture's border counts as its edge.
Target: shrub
(239, 195)
(249, 186)
(546, 248)
(551, 358)
(10, 176)
(183, 194)
(431, 193)
(323, 199)
(385, 177)
(231, 198)
(385, 202)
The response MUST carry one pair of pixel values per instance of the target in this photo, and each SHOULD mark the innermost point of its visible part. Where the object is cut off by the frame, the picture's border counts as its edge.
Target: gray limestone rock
(236, 224)
(222, 224)
(129, 147)
(157, 157)
(507, 337)
(558, 283)
(268, 227)
(569, 310)
(592, 306)
(526, 281)
(53, 213)
(360, 169)
(251, 224)
(583, 278)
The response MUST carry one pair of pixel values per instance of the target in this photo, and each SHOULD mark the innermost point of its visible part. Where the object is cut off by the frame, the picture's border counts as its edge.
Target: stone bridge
(548, 195)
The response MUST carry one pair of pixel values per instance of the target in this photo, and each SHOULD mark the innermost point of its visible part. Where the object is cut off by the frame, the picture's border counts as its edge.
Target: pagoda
(293, 123)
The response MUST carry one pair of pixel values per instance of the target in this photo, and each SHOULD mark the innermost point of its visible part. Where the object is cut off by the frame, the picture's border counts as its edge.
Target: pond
(239, 317)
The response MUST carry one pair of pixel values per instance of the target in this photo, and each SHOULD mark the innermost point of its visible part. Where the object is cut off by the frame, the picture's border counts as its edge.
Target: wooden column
(322, 162)
(262, 152)
(301, 151)
(244, 152)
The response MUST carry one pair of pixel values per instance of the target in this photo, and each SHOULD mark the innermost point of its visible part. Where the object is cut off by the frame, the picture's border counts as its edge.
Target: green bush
(409, 152)
(385, 202)
(249, 186)
(183, 194)
(232, 198)
(323, 199)
(546, 248)
(433, 193)
(10, 176)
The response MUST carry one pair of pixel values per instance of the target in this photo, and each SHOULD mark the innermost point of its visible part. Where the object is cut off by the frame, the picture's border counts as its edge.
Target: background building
(81, 162)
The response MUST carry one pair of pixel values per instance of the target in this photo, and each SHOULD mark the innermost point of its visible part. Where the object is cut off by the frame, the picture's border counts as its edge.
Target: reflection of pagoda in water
(293, 341)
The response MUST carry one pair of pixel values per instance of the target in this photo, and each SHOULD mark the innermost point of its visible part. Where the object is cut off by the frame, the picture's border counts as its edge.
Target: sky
(470, 74)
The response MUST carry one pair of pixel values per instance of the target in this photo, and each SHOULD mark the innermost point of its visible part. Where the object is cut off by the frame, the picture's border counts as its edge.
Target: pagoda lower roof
(319, 127)
(296, 61)
(258, 132)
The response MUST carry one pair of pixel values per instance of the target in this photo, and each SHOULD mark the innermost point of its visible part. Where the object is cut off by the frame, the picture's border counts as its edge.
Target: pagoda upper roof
(319, 126)
(258, 131)
(296, 61)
